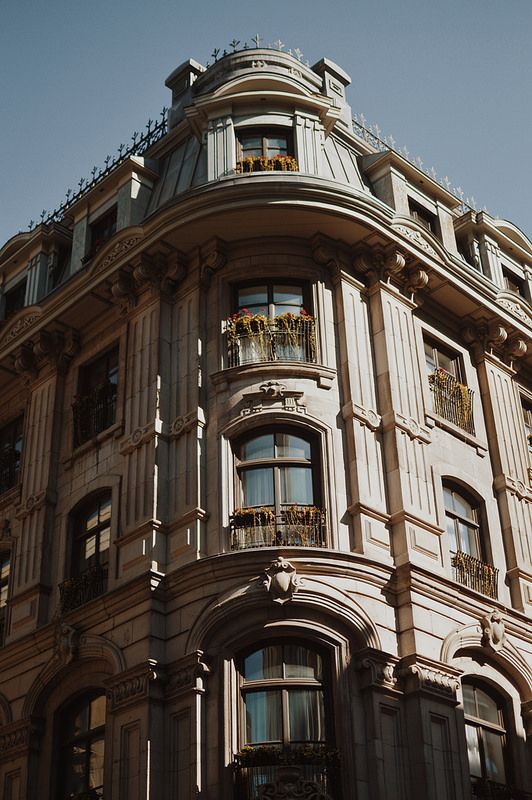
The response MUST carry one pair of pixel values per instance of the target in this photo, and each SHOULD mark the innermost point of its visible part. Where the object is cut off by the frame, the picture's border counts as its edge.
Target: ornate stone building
(266, 489)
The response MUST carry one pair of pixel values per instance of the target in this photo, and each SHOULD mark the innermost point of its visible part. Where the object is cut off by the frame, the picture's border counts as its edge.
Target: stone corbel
(366, 416)
(18, 737)
(213, 257)
(187, 675)
(150, 269)
(135, 685)
(26, 364)
(327, 253)
(419, 674)
(187, 422)
(139, 437)
(175, 273)
(377, 670)
(123, 290)
(495, 337)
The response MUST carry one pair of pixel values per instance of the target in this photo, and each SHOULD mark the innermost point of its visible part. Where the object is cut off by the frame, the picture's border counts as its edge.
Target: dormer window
(14, 299)
(260, 150)
(100, 232)
(422, 215)
(513, 283)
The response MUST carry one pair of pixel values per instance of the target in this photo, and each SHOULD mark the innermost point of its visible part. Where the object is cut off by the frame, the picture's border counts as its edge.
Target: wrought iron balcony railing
(75, 592)
(452, 400)
(94, 412)
(475, 574)
(9, 468)
(279, 774)
(489, 790)
(258, 339)
(295, 526)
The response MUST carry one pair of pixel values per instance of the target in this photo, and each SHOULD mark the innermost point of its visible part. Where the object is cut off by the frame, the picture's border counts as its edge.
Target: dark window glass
(94, 408)
(15, 299)
(92, 536)
(82, 745)
(485, 734)
(423, 216)
(10, 454)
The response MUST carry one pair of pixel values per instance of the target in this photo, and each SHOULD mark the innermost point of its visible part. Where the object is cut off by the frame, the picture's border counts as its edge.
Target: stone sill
(433, 420)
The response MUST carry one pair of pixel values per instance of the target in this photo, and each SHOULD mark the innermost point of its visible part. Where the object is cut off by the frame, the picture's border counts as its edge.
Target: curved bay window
(464, 535)
(283, 723)
(486, 740)
(90, 554)
(278, 487)
(271, 323)
(81, 749)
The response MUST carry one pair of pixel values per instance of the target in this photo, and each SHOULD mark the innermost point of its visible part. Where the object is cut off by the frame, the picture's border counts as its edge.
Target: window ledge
(324, 376)
(114, 431)
(434, 420)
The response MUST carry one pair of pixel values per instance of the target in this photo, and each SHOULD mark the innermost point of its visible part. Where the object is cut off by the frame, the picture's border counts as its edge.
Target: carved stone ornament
(17, 737)
(493, 633)
(281, 580)
(425, 676)
(415, 236)
(134, 685)
(273, 393)
(186, 675)
(66, 642)
(290, 784)
(118, 250)
(19, 327)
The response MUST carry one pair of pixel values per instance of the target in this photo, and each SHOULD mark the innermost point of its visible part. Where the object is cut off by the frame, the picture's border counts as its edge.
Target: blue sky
(450, 81)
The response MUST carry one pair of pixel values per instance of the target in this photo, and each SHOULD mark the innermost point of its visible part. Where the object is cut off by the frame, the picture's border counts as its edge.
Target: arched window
(91, 537)
(485, 735)
(284, 721)
(468, 553)
(278, 491)
(81, 734)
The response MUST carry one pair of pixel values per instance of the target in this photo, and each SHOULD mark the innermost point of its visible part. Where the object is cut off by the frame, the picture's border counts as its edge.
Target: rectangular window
(14, 299)
(100, 232)
(10, 454)
(526, 407)
(513, 283)
(451, 398)
(425, 217)
(261, 150)
(94, 407)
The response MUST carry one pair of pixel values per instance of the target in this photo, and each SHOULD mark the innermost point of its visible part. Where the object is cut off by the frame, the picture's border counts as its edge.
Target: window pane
(469, 540)
(97, 712)
(493, 756)
(257, 487)
(105, 537)
(296, 486)
(306, 715)
(470, 707)
(75, 770)
(430, 359)
(254, 298)
(288, 295)
(289, 446)
(276, 145)
(301, 662)
(259, 447)
(265, 663)
(463, 507)
(89, 547)
(473, 751)
(487, 707)
(105, 510)
(96, 763)
(451, 532)
(91, 520)
(263, 716)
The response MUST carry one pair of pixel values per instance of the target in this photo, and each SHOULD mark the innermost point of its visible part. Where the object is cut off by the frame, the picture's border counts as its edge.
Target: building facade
(265, 477)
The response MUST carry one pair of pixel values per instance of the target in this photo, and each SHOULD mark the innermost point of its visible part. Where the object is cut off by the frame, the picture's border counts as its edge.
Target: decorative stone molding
(390, 265)
(212, 258)
(417, 238)
(187, 422)
(290, 783)
(22, 324)
(119, 249)
(408, 425)
(493, 632)
(25, 363)
(328, 253)
(133, 686)
(271, 394)
(123, 290)
(367, 416)
(17, 737)
(516, 307)
(5, 530)
(498, 337)
(281, 580)
(507, 483)
(423, 675)
(186, 675)
(377, 670)
(138, 438)
(66, 642)
(34, 502)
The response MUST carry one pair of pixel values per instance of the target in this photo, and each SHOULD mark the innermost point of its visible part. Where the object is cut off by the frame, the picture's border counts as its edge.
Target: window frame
(482, 725)
(526, 411)
(14, 432)
(93, 397)
(424, 216)
(264, 132)
(271, 284)
(67, 710)
(473, 523)
(276, 463)
(440, 351)
(18, 292)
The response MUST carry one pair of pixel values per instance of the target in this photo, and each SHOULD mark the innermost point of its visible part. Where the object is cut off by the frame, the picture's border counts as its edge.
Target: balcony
(255, 338)
(94, 412)
(452, 400)
(282, 773)
(489, 790)
(296, 526)
(9, 468)
(475, 574)
(75, 592)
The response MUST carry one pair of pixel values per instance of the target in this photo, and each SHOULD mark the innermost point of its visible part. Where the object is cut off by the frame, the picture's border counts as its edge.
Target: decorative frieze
(17, 737)
(119, 250)
(21, 325)
(417, 238)
(423, 675)
(134, 685)
(186, 675)
(271, 394)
